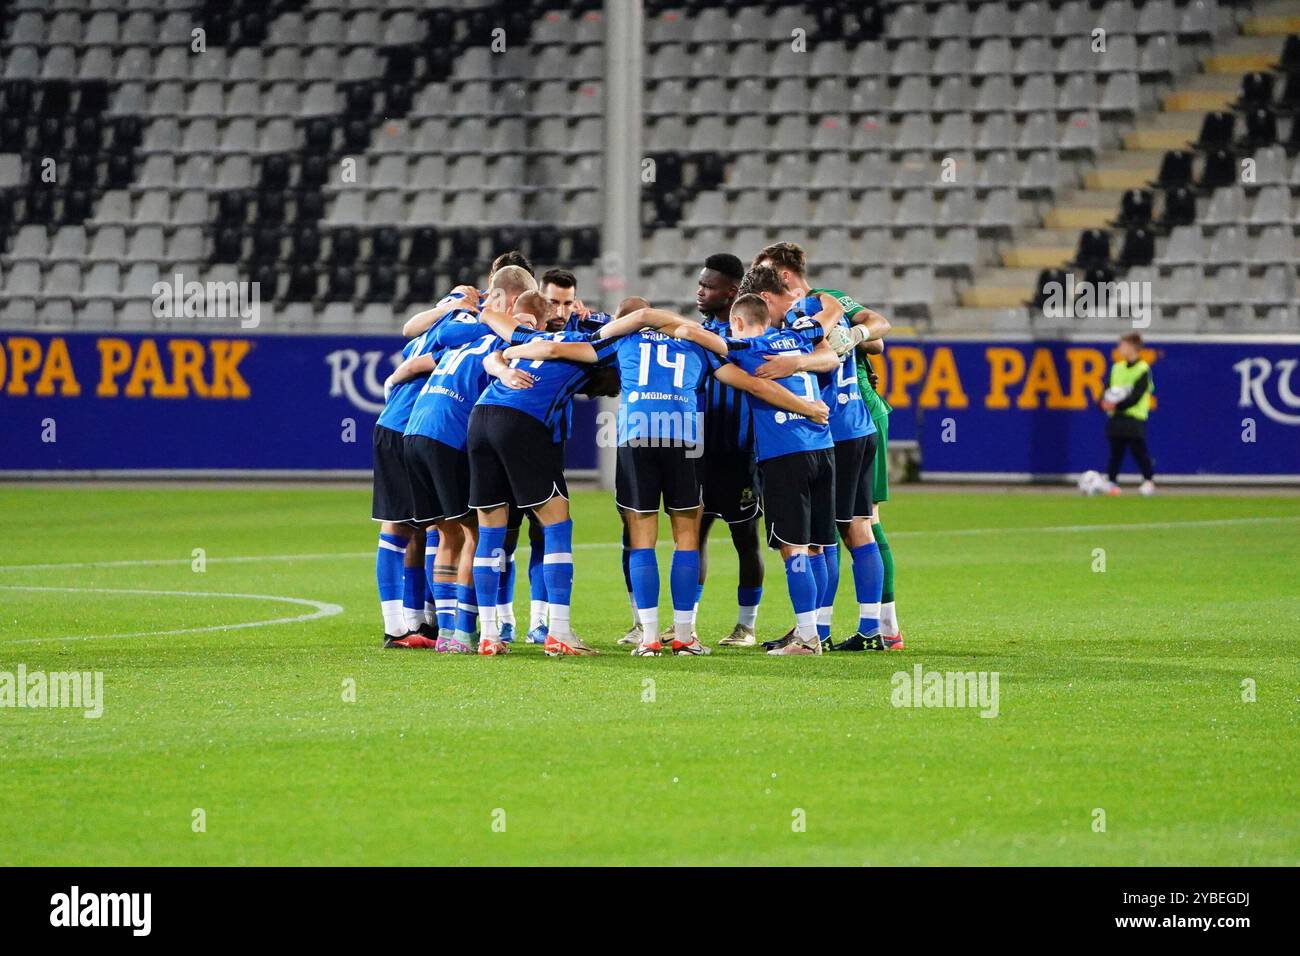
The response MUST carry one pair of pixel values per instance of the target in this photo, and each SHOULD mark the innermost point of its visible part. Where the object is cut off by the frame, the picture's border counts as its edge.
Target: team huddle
(764, 405)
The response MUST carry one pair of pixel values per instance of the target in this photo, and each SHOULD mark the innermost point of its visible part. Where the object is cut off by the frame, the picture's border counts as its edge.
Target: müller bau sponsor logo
(922, 688)
(75, 908)
(76, 690)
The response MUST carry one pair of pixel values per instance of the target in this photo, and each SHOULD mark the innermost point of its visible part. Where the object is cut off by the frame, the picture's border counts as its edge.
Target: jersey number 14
(678, 364)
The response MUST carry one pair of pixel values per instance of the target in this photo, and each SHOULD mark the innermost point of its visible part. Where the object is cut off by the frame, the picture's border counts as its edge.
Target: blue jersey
(592, 323)
(575, 324)
(397, 410)
(456, 296)
(661, 381)
(443, 405)
(555, 381)
(778, 432)
(728, 421)
(849, 416)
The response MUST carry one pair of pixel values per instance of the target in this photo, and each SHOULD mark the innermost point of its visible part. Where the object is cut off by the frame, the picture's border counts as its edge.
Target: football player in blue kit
(559, 287)
(795, 453)
(399, 563)
(854, 433)
(731, 492)
(469, 299)
(435, 443)
(516, 454)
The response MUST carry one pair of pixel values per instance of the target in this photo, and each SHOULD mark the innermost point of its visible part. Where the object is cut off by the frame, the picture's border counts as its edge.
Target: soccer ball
(1116, 394)
(1091, 483)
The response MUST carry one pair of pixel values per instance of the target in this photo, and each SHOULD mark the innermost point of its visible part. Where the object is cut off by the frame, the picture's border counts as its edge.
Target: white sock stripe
(869, 610)
(558, 557)
(389, 546)
(486, 563)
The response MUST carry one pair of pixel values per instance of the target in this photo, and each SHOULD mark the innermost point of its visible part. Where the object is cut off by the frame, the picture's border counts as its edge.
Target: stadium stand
(931, 155)
(939, 159)
(318, 148)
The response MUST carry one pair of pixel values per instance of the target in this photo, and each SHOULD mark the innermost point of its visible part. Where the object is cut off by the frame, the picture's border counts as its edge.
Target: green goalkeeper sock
(886, 556)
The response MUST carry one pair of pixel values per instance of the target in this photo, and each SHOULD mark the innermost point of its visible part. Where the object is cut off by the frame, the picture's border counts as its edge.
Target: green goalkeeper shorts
(880, 464)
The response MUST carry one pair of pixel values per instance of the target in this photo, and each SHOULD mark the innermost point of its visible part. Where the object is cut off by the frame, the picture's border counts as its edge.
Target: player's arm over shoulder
(772, 393)
(462, 297)
(831, 311)
(505, 326)
(876, 326)
(541, 348)
(413, 367)
(639, 319)
(696, 333)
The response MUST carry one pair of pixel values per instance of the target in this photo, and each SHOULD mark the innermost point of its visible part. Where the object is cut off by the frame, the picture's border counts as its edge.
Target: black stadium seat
(1135, 209)
(1175, 170)
(1180, 208)
(1138, 249)
(1220, 169)
(345, 247)
(424, 246)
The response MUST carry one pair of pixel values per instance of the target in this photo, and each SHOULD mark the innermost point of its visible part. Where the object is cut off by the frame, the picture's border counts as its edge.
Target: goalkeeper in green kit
(879, 409)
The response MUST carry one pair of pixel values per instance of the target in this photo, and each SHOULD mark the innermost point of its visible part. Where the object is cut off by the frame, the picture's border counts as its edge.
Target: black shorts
(644, 475)
(853, 476)
(799, 498)
(512, 459)
(391, 500)
(731, 490)
(439, 479)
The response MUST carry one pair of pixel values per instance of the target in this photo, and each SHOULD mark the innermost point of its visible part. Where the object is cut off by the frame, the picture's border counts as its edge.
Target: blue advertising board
(1019, 408)
(77, 403)
(84, 402)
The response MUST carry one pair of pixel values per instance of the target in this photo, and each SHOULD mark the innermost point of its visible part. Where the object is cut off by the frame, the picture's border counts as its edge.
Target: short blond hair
(513, 280)
(508, 283)
(535, 305)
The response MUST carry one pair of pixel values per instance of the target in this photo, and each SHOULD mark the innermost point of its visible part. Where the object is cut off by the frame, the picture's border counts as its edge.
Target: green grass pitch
(1120, 691)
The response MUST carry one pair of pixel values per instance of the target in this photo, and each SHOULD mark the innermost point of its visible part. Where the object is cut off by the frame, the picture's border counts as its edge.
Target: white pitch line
(147, 562)
(1078, 528)
(597, 545)
(321, 609)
